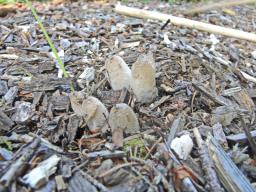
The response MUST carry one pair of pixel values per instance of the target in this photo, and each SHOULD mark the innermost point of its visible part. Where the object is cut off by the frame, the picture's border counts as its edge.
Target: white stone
(39, 175)
(182, 146)
(88, 74)
(253, 54)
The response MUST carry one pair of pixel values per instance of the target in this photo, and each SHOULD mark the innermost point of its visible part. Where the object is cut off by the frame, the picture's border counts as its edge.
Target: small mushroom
(119, 74)
(92, 109)
(76, 99)
(143, 81)
(122, 117)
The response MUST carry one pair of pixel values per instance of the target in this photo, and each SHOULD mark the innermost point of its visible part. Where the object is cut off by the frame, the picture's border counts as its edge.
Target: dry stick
(221, 5)
(179, 21)
(153, 147)
(116, 168)
(156, 171)
(248, 135)
(207, 164)
(94, 182)
(230, 176)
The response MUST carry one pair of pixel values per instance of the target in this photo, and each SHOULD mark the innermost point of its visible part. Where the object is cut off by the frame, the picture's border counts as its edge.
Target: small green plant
(135, 147)
(145, 1)
(171, 1)
(125, 1)
(6, 144)
(24, 71)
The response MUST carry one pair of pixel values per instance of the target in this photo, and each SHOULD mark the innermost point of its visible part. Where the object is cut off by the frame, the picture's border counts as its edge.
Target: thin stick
(217, 5)
(153, 147)
(116, 168)
(179, 21)
(207, 164)
(249, 135)
(94, 182)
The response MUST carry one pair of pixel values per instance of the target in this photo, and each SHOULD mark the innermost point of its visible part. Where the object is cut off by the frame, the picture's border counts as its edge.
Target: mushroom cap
(119, 74)
(90, 108)
(143, 81)
(97, 114)
(122, 117)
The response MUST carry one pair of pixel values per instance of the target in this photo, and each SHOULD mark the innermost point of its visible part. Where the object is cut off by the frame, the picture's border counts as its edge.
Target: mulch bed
(196, 135)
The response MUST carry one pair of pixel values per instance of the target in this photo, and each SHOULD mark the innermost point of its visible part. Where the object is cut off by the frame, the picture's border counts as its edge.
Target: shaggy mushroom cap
(143, 81)
(119, 74)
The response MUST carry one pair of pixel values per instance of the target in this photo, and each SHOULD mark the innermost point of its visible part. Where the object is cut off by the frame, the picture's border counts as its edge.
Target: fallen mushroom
(143, 81)
(119, 74)
(122, 119)
(92, 109)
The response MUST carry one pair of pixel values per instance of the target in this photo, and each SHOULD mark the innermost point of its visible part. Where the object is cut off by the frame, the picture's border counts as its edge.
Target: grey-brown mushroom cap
(123, 117)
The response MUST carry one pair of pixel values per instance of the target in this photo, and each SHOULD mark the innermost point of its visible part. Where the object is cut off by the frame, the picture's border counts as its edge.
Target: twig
(179, 21)
(207, 164)
(79, 166)
(106, 154)
(217, 5)
(15, 169)
(230, 176)
(248, 135)
(170, 188)
(166, 23)
(114, 169)
(153, 147)
(94, 181)
(217, 99)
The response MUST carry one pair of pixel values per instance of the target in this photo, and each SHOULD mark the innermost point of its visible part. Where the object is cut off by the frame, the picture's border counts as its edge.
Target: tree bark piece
(230, 176)
(179, 21)
(15, 169)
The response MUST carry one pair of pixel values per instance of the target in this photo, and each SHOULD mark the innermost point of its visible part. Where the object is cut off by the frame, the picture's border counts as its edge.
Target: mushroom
(92, 110)
(119, 74)
(122, 119)
(143, 81)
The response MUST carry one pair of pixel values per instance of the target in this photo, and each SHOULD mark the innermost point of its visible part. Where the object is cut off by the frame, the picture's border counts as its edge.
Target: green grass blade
(62, 67)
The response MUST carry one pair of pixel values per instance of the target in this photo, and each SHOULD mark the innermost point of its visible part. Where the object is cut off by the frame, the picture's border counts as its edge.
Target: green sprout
(135, 147)
(7, 2)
